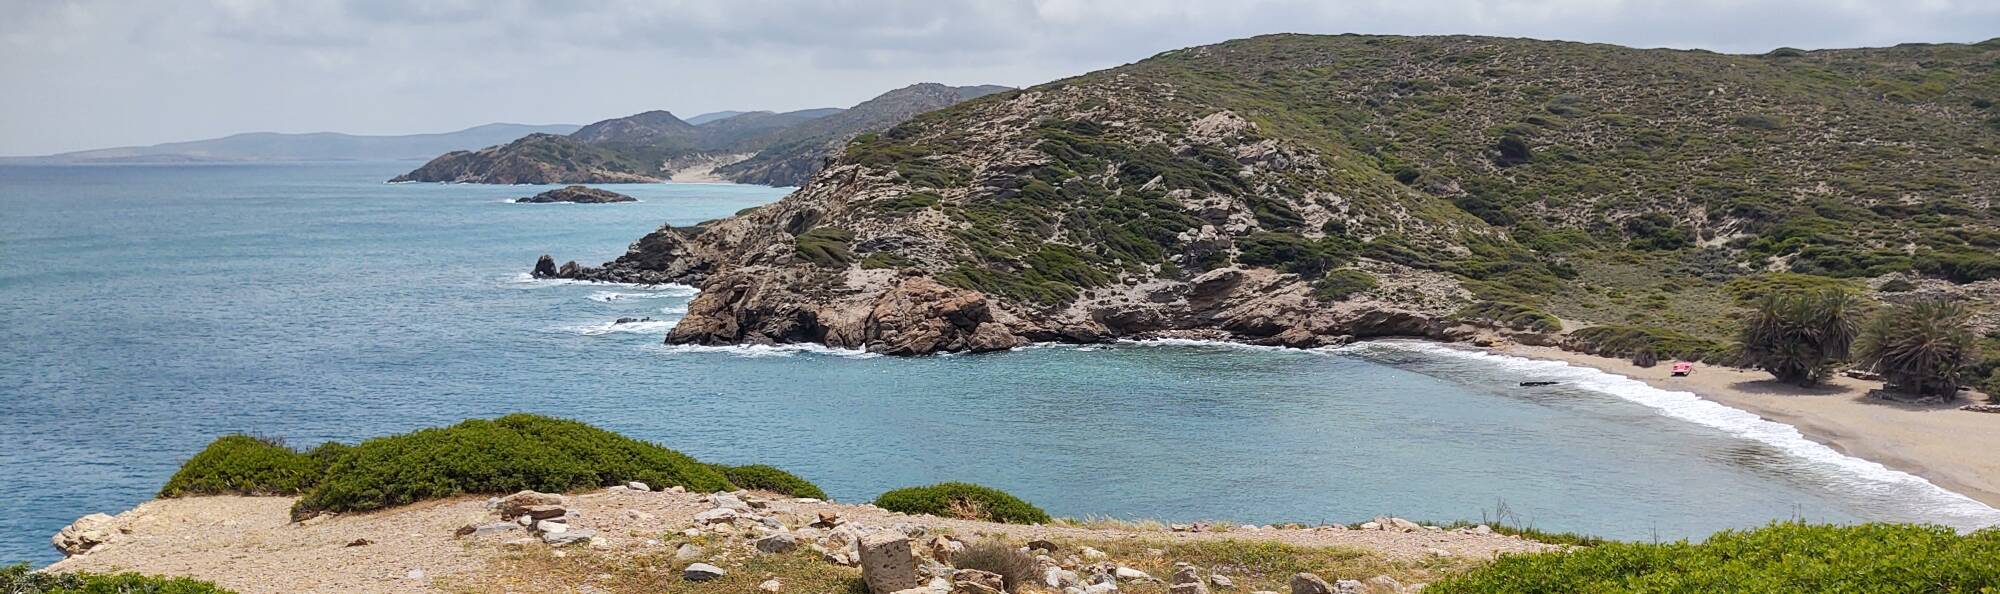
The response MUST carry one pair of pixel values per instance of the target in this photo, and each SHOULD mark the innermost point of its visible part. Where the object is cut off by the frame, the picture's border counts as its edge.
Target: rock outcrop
(576, 194)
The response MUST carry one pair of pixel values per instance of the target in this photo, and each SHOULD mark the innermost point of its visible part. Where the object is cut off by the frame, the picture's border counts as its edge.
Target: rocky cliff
(1305, 190)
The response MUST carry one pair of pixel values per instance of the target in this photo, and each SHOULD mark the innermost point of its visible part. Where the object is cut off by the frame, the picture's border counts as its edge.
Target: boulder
(543, 512)
(545, 267)
(84, 534)
(516, 505)
(1348, 587)
(638, 486)
(687, 552)
(568, 270)
(702, 572)
(887, 563)
(1306, 583)
(779, 542)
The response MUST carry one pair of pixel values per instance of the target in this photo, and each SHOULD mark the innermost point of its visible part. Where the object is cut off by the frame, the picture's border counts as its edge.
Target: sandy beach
(1952, 448)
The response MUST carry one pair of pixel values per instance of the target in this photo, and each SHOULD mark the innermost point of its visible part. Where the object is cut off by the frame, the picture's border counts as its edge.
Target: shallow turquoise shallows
(145, 310)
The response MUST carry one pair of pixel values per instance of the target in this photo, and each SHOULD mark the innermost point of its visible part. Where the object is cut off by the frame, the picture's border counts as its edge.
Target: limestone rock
(974, 581)
(516, 505)
(84, 534)
(1306, 583)
(780, 542)
(887, 563)
(702, 572)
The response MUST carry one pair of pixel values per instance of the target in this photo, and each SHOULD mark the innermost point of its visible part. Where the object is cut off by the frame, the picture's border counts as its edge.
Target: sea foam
(766, 350)
(1843, 471)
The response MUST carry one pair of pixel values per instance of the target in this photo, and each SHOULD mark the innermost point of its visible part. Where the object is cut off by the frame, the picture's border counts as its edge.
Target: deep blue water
(145, 310)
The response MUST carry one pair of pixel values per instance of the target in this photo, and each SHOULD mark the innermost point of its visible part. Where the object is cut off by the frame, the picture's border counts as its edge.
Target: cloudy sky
(95, 73)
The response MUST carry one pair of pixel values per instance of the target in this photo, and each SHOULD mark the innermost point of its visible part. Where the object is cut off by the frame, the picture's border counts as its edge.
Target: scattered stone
(568, 537)
(84, 534)
(638, 486)
(1127, 573)
(1104, 588)
(1347, 587)
(1383, 584)
(543, 512)
(702, 572)
(974, 581)
(728, 501)
(1221, 581)
(1043, 546)
(1094, 554)
(1371, 526)
(887, 564)
(414, 575)
(1436, 552)
(1057, 577)
(360, 542)
(771, 585)
(720, 515)
(780, 542)
(827, 520)
(687, 552)
(1482, 529)
(943, 547)
(637, 515)
(551, 527)
(489, 530)
(1306, 583)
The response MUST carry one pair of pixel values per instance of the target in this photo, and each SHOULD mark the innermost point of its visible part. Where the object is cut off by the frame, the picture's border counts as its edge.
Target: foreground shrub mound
(17, 579)
(1787, 557)
(770, 478)
(502, 455)
(962, 500)
(247, 465)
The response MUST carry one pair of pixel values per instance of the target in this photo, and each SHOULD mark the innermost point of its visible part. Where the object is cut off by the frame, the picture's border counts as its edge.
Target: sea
(146, 310)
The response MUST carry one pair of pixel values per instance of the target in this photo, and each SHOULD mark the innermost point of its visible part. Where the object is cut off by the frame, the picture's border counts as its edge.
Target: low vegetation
(995, 555)
(769, 478)
(962, 500)
(1780, 558)
(503, 455)
(17, 579)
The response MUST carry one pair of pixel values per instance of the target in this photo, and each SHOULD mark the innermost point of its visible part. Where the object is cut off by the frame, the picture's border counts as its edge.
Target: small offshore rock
(702, 572)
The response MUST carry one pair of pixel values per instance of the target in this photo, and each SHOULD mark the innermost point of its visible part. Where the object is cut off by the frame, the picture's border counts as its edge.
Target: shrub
(1629, 341)
(825, 246)
(1897, 285)
(1657, 231)
(503, 455)
(1293, 253)
(1787, 557)
(1509, 315)
(1798, 337)
(995, 555)
(1645, 357)
(962, 500)
(246, 465)
(1924, 347)
(16, 579)
(1512, 151)
(1339, 285)
(769, 478)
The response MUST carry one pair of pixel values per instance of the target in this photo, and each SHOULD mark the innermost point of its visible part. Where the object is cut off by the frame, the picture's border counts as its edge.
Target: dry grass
(1263, 565)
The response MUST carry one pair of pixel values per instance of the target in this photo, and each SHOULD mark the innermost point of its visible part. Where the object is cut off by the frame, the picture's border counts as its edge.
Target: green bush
(1293, 253)
(1799, 337)
(1340, 285)
(1780, 558)
(503, 455)
(1015, 568)
(16, 579)
(1629, 341)
(825, 246)
(1509, 315)
(962, 500)
(1924, 347)
(246, 465)
(769, 478)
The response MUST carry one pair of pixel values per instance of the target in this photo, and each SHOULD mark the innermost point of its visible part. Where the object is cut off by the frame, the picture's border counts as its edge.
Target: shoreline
(1950, 448)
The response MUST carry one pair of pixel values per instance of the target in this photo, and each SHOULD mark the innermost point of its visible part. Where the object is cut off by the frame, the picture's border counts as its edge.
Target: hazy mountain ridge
(786, 147)
(1306, 190)
(315, 146)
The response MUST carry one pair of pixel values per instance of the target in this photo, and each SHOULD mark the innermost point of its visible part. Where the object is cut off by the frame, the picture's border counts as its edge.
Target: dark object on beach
(1533, 384)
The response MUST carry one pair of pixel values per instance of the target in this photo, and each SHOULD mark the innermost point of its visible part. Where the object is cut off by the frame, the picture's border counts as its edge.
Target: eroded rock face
(913, 316)
(84, 534)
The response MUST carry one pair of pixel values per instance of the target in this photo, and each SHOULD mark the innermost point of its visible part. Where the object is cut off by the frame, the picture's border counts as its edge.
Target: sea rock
(545, 267)
(576, 194)
(84, 534)
(887, 563)
(702, 572)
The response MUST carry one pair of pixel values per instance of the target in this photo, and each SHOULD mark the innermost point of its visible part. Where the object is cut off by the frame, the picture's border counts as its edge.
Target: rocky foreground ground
(629, 539)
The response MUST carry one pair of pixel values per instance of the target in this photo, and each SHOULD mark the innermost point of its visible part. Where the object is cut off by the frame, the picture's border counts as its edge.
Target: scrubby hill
(785, 147)
(1304, 189)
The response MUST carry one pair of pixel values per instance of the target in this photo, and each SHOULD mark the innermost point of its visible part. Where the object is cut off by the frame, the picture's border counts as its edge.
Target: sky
(83, 74)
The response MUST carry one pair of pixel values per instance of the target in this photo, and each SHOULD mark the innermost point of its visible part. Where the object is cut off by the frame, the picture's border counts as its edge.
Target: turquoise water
(146, 310)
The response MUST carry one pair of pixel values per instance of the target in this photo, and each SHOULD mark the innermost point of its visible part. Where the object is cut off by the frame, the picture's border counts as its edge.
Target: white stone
(637, 486)
(1127, 573)
(702, 572)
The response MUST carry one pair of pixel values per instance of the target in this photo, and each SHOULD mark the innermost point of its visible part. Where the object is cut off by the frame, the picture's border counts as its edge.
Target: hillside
(656, 145)
(317, 146)
(1305, 190)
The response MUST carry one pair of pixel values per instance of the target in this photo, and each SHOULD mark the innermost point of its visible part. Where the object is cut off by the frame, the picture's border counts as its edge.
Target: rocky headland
(576, 194)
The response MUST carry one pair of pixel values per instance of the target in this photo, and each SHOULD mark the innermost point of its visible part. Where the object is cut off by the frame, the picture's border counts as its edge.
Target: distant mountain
(317, 146)
(713, 116)
(753, 147)
(792, 157)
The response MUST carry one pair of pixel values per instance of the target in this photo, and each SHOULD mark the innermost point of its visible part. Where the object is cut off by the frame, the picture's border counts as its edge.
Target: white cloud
(92, 73)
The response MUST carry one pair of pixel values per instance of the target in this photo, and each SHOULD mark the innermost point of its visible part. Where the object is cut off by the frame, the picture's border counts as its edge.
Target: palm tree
(1798, 337)
(1922, 347)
